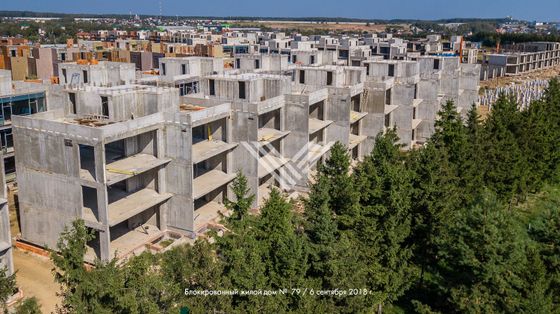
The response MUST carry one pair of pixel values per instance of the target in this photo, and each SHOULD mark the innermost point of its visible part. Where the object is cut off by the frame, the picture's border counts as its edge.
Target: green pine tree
(243, 199)
(506, 170)
(343, 195)
(385, 222)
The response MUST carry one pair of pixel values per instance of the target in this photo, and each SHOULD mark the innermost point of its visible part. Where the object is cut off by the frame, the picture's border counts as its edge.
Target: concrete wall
(6, 258)
(46, 59)
(102, 74)
(5, 82)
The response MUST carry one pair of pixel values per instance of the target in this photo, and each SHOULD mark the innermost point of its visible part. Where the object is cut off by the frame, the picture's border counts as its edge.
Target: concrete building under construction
(135, 161)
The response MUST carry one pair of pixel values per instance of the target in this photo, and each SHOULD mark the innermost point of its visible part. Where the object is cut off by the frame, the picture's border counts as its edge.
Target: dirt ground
(14, 226)
(350, 27)
(33, 272)
(35, 278)
(507, 80)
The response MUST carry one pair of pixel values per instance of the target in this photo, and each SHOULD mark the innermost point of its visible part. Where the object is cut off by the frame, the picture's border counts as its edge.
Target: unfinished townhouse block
(444, 79)
(263, 63)
(184, 73)
(199, 143)
(17, 98)
(345, 104)
(103, 73)
(394, 100)
(258, 125)
(101, 159)
(307, 143)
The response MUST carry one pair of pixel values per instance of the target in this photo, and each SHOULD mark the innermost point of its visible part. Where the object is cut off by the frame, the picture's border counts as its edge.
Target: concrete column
(339, 112)
(161, 179)
(102, 202)
(296, 143)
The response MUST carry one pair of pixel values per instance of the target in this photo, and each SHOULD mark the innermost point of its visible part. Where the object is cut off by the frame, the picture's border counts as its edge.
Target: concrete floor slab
(210, 181)
(206, 214)
(316, 125)
(355, 140)
(268, 135)
(269, 163)
(126, 168)
(207, 149)
(356, 116)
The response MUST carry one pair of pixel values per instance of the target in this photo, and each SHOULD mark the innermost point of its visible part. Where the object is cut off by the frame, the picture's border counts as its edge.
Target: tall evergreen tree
(506, 172)
(343, 195)
(450, 133)
(243, 199)
(471, 175)
(333, 262)
(203, 271)
(482, 260)
(435, 201)
(384, 224)
(544, 229)
(284, 248)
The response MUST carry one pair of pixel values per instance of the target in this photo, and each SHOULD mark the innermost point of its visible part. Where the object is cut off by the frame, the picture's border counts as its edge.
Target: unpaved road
(34, 276)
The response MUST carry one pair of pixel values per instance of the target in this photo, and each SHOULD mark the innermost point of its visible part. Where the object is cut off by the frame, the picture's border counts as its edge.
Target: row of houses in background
(27, 61)
(521, 58)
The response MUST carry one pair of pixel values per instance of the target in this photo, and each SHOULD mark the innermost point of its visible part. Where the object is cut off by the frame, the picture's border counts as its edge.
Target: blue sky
(542, 10)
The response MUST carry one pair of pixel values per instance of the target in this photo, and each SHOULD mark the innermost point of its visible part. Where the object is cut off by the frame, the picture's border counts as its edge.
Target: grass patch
(166, 243)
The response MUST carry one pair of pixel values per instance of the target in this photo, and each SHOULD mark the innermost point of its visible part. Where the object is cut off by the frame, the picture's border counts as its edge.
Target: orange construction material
(32, 248)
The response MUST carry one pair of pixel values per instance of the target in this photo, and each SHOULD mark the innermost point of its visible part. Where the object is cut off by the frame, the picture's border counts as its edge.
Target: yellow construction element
(265, 138)
(120, 171)
(209, 133)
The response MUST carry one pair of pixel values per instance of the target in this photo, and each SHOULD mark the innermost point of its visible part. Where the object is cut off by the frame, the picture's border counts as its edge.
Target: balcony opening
(355, 102)
(270, 120)
(212, 84)
(72, 97)
(388, 120)
(391, 71)
(241, 90)
(105, 106)
(93, 246)
(87, 162)
(90, 208)
(316, 111)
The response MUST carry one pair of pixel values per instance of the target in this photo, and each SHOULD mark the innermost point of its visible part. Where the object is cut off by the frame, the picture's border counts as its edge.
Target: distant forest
(251, 18)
